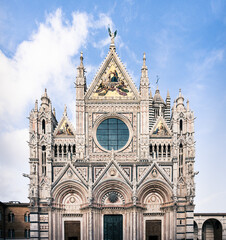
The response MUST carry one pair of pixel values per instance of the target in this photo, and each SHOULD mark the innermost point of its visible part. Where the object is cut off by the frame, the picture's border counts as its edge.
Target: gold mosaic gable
(160, 129)
(112, 85)
(112, 82)
(64, 128)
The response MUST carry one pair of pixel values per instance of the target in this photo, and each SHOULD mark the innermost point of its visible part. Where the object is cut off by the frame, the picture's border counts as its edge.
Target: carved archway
(154, 190)
(112, 192)
(69, 193)
(212, 229)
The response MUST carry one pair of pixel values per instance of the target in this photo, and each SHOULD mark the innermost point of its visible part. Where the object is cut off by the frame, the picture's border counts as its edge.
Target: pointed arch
(43, 126)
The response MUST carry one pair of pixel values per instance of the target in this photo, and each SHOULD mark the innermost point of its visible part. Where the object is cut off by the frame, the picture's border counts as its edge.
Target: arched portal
(69, 197)
(195, 231)
(212, 230)
(153, 195)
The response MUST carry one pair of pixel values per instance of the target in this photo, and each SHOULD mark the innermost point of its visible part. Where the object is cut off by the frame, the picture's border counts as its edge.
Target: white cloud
(46, 60)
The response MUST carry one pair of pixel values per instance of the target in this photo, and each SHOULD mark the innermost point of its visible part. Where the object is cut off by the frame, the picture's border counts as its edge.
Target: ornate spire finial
(168, 95)
(36, 105)
(180, 92)
(65, 110)
(45, 93)
(144, 60)
(112, 36)
(81, 59)
(188, 109)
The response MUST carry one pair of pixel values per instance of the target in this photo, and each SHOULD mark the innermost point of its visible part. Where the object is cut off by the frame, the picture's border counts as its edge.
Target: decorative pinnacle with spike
(144, 62)
(144, 59)
(81, 59)
(65, 110)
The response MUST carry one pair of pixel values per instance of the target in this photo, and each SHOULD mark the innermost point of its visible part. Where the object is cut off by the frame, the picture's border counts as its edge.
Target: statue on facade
(112, 35)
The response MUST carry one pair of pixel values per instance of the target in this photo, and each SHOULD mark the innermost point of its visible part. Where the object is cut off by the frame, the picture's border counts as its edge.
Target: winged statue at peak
(112, 35)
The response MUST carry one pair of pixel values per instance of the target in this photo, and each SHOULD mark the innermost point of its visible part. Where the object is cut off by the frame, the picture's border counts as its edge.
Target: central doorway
(153, 230)
(113, 227)
(72, 230)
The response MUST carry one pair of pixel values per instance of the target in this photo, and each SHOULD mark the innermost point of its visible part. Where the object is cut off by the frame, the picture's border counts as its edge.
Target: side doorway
(153, 229)
(72, 230)
(113, 227)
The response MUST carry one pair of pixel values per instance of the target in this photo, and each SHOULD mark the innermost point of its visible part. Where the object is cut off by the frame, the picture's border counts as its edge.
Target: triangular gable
(113, 171)
(64, 128)
(96, 172)
(181, 181)
(112, 82)
(160, 128)
(154, 172)
(69, 173)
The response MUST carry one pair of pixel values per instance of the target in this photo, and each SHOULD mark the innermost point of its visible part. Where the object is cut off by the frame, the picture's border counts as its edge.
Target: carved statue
(112, 35)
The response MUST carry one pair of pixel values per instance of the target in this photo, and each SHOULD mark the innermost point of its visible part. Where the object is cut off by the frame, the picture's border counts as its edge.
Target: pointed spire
(150, 95)
(54, 112)
(157, 90)
(168, 95)
(144, 61)
(180, 99)
(188, 109)
(36, 105)
(65, 110)
(180, 95)
(45, 99)
(157, 97)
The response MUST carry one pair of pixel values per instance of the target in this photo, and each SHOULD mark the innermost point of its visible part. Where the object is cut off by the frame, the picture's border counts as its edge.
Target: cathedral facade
(126, 171)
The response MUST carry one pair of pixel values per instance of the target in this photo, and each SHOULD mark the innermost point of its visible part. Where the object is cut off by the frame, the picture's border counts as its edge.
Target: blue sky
(185, 45)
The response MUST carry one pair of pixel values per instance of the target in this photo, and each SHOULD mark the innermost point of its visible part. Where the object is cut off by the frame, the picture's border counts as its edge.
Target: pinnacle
(81, 59)
(144, 60)
(65, 110)
(168, 95)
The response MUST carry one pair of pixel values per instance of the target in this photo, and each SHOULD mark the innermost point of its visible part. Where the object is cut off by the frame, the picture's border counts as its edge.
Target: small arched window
(160, 150)
(181, 125)
(43, 126)
(60, 150)
(164, 150)
(151, 150)
(11, 233)
(27, 233)
(65, 150)
(169, 151)
(27, 217)
(74, 149)
(69, 148)
(181, 159)
(55, 150)
(155, 150)
(11, 217)
(44, 160)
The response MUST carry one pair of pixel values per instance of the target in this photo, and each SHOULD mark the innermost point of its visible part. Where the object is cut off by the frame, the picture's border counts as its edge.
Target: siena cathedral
(126, 171)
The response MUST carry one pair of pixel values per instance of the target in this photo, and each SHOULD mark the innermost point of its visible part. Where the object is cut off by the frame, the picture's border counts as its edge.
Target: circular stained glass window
(112, 133)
